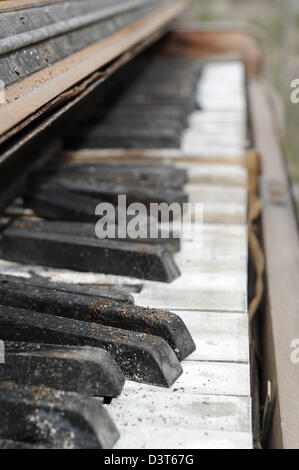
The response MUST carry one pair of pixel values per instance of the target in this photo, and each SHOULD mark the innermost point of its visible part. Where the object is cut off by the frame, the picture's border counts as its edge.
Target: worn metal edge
(40, 88)
(33, 35)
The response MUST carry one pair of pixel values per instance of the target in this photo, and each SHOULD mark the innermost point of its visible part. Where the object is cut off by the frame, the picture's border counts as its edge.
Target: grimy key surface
(101, 190)
(141, 139)
(128, 173)
(6, 444)
(98, 310)
(84, 230)
(114, 293)
(85, 254)
(86, 370)
(57, 419)
(58, 203)
(141, 357)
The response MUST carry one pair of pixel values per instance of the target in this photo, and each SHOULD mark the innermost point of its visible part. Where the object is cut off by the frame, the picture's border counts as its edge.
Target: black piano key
(56, 419)
(141, 357)
(84, 230)
(117, 138)
(148, 99)
(104, 191)
(6, 444)
(57, 203)
(129, 173)
(132, 112)
(115, 293)
(60, 205)
(166, 117)
(36, 247)
(84, 370)
(133, 126)
(102, 311)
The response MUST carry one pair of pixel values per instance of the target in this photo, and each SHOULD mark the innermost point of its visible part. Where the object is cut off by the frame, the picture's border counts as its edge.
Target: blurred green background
(276, 23)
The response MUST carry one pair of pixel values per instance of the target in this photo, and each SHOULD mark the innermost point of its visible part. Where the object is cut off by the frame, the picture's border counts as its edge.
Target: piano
(156, 329)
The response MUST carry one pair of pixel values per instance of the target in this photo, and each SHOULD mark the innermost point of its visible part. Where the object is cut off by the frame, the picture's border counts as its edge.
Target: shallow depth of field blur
(276, 24)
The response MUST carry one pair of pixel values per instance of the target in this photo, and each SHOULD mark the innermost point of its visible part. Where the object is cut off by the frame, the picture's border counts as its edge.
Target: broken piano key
(86, 370)
(118, 294)
(109, 192)
(54, 419)
(61, 204)
(122, 173)
(124, 138)
(6, 444)
(100, 310)
(30, 245)
(141, 357)
(172, 243)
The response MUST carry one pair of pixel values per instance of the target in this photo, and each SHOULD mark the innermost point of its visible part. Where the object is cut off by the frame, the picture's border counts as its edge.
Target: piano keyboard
(207, 404)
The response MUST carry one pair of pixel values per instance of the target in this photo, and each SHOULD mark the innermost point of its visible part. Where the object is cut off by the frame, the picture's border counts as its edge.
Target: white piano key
(209, 130)
(221, 71)
(225, 117)
(221, 204)
(218, 237)
(203, 254)
(194, 298)
(217, 174)
(193, 136)
(216, 194)
(224, 213)
(218, 92)
(224, 323)
(189, 147)
(217, 126)
(229, 271)
(221, 87)
(225, 234)
(219, 337)
(220, 102)
(205, 378)
(214, 245)
(153, 437)
(195, 280)
(159, 409)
